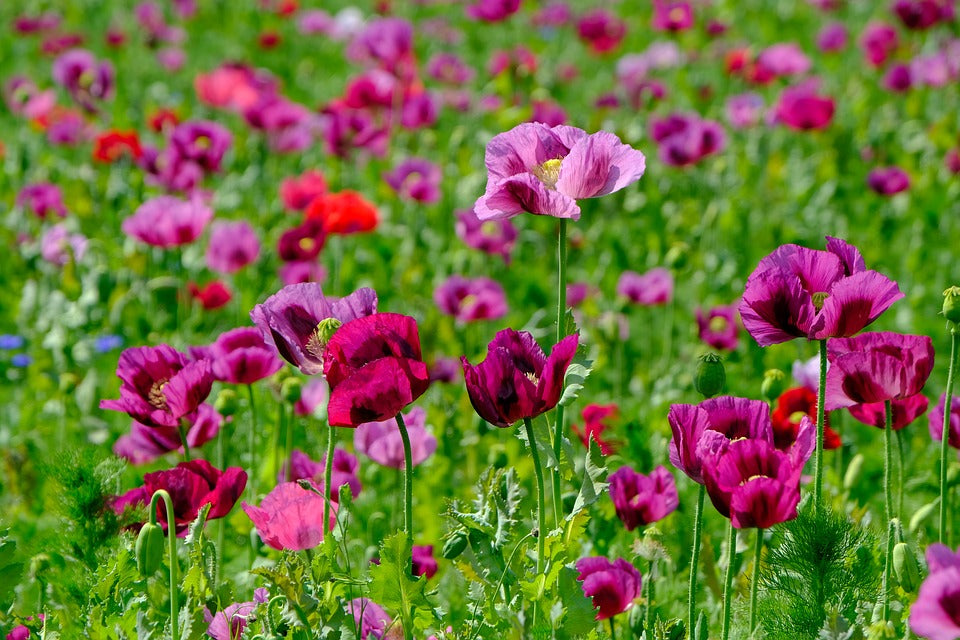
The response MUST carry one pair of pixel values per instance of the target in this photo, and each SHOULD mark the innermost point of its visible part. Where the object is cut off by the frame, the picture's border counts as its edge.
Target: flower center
(202, 142)
(468, 301)
(797, 416)
(548, 173)
(321, 335)
(489, 229)
(718, 324)
(85, 80)
(819, 298)
(532, 377)
(307, 244)
(155, 396)
(676, 14)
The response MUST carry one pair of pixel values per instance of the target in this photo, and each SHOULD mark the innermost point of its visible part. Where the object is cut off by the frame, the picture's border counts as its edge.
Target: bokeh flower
(290, 517)
(613, 586)
(642, 499)
(381, 442)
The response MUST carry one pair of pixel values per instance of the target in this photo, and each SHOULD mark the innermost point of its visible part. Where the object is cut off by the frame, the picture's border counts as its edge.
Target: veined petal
(521, 149)
(598, 165)
(524, 193)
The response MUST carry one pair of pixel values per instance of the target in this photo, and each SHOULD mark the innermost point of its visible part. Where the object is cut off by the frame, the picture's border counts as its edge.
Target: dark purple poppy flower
(87, 80)
(344, 472)
(879, 41)
(230, 623)
(802, 108)
(655, 287)
(446, 370)
(888, 181)
(374, 368)
(233, 245)
(875, 367)
(424, 564)
(516, 380)
(685, 139)
(601, 30)
(492, 10)
(639, 499)
(898, 79)
(381, 442)
(290, 517)
(541, 170)
(799, 292)
(469, 300)
(346, 130)
(917, 14)
(935, 613)
(36, 24)
(42, 199)
(304, 242)
(905, 411)
(290, 318)
(832, 37)
(672, 15)
(240, 356)
(415, 179)
(718, 327)
(936, 421)
(371, 617)
(168, 221)
(201, 141)
(613, 586)
(159, 385)
(495, 237)
(145, 443)
(192, 485)
(548, 113)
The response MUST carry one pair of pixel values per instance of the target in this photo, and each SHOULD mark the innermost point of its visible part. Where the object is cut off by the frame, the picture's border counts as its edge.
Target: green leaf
(576, 375)
(393, 586)
(579, 615)
(594, 478)
(11, 570)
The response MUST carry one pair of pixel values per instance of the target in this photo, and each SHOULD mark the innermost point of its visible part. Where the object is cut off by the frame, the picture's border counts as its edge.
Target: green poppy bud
(149, 549)
(455, 545)
(291, 389)
(677, 256)
(710, 376)
(906, 567)
(920, 515)
(852, 476)
(774, 383)
(226, 403)
(951, 304)
(701, 631)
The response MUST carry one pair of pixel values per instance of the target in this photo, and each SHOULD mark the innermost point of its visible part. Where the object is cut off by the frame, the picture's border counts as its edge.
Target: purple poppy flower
(424, 564)
(639, 499)
(655, 287)
(371, 617)
(686, 139)
(934, 614)
(387, 43)
(415, 179)
(87, 80)
(58, 246)
(879, 41)
(495, 237)
(917, 14)
(233, 245)
(799, 292)
(934, 70)
(744, 110)
(492, 10)
(936, 421)
(300, 271)
(304, 242)
(898, 79)
(192, 485)
(145, 443)
(346, 130)
(344, 472)
(802, 108)
(159, 385)
(290, 318)
(448, 68)
(541, 170)
(315, 22)
(905, 411)
(42, 199)
(380, 441)
(168, 221)
(419, 110)
(832, 38)
(613, 586)
(201, 141)
(553, 14)
(672, 15)
(290, 517)
(601, 30)
(446, 370)
(888, 181)
(240, 356)
(469, 300)
(875, 367)
(230, 623)
(516, 380)
(718, 327)
(172, 58)
(784, 59)
(548, 113)
(24, 99)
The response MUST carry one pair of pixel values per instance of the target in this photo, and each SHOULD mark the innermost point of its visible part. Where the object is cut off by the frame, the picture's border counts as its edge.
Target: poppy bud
(710, 376)
(149, 549)
(455, 545)
(951, 304)
(676, 257)
(906, 567)
(921, 514)
(701, 632)
(774, 383)
(291, 390)
(852, 476)
(68, 382)
(226, 403)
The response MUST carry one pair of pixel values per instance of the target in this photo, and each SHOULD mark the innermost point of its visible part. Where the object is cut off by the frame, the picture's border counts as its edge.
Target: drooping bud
(774, 383)
(226, 403)
(710, 376)
(149, 549)
(951, 304)
(906, 567)
(852, 476)
(455, 545)
(291, 389)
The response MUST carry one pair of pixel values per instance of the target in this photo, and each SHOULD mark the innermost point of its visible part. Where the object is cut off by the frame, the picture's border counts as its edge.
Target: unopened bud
(497, 457)
(951, 304)
(906, 567)
(920, 515)
(68, 382)
(677, 255)
(710, 376)
(149, 549)
(291, 389)
(774, 383)
(455, 545)
(226, 403)
(852, 476)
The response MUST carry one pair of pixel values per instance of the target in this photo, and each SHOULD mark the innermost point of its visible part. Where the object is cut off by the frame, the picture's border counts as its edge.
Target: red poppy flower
(344, 212)
(211, 296)
(792, 405)
(111, 145)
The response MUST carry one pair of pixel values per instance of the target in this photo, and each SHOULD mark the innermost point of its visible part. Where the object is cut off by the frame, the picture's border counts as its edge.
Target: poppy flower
(374, 368)
(58, 246)
(601, 30)
(233, 245)
(42, 199)
(934, 614)
(613, 586)
(201, 141)
(469, 300)
(718, 327)
(936, 421)
(424, 564)
(875, 367)
(415, 179)
(801, 107)
(343, 212)
(544, 171)
(370, 617)
(212, 295)
(639, 499)
(799, 292)
(655, 287)
(86, 79)
(905, 412)
(299, 191)
(290, 517)
(672, 16)
(492, 10)
(879, 41)
(918, 14)
(302, 243)
(381, 442)
(792, 407)
(493, 237)
(230, 623)
(593, 426)
(147, 443)
(111, 145)
(240, 356)
(888, 181)
(344, 472)
(168, 221)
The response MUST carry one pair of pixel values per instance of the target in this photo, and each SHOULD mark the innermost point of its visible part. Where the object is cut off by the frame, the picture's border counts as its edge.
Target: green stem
(728, 582)
(541, 499)
(899, 436)
(183, 428)
(160, 494)
(945, 434)
(561, 316)
(281, 416)
(287, 425)
(648, 625)
(222, 524)
(613, 628)
(252, 444)
(888, 501)
(754, 585)
(327, 482)
(407, 486)
(885, 595)
(695, 561)
(821, 421)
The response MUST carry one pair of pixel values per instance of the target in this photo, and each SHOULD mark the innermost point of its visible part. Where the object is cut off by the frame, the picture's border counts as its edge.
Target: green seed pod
(149, 549)
(677, 256)
(226, 403)
(852, 476)
(951, 304)
(291, 389)
(774, 383)
(455, 545)
(906, 567)
(324, 331)
(710, 376)
(920, 515)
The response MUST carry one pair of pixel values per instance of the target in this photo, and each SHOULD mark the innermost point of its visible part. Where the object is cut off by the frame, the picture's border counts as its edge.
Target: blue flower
(21, 360)
(107, 343)
(11, 341)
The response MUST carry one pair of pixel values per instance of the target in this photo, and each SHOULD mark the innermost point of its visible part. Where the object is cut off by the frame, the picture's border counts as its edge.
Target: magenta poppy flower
(374, 368)
(897, 79)
(448, 68)
(201, 141)
(58, 246)
(424, 564)
(888, 181)
(145, 443)
(517, 380)
(314, 393)
(381, 442)
(42, 199)
(471, 299)
(934, 614)
(494, 237)
(290, 517)
(344, 472)
(304, 242)
(613, 586)
(445, 370)
(601, 30)
(86, 79)
(240, 356)
(718, 327)
(492, 10)
(299, 191)
(639, 499)
(541, 170)
(36, 24)
(672, 16)
(387, 43)
(879, 41)
(370, 617)
(230, 623)
(415, 179)
(784, 59)
(802, 108)
(159, 385)
(233, 245)
(936, 421)
(917, 14)
(799, 292)
(24, 98)
(744, 110)
(300, 271)
(655, 287)
(685, 139)
(935, 70)
(168, 221)
(832, 38)
(905, 411)
(875, 367)
(290, 318)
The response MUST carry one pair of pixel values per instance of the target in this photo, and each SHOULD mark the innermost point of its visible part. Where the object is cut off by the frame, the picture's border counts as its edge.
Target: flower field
(475, 319)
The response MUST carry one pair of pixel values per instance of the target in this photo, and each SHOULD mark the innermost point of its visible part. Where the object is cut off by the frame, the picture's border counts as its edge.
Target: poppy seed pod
(951, 304)
(774, 383)
(906, 567)
(149, 549)
(710, 376)
(226, 403)
(455, 545)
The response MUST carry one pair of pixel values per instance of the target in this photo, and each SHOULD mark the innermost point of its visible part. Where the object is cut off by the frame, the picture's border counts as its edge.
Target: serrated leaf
(393, 586)
(594, 476)
(579, 615)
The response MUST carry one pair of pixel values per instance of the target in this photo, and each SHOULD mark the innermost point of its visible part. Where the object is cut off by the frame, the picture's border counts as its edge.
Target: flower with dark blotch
(370, 617)
(494, 237)
(801, 107)
(159, 385)
(86, 79)
(344, 472)
(832, 37)
(613, 586)
(788, 414)
(201, 141)
(471, 299)
(905, 412)
(918, 14)
(936, 421)
(601, 30)
(898, 78)
(655, 287)
(936, 613)
(415, 179)
(593, 426)
(517, 380)
(888, 181)
(374, 368)
(290, 517)
(718, 327)
(541, 170)
(290, 320)
(875, 367)
(230, 623)
(147, 443)
(168, 221)
(42, 199)
(492, 10)
(672, 15)
(797, 292)
(879, 41)
(233, 245)
(639, 499)
(381, 442)
(240, 356)
(303, 242)
(685, 139)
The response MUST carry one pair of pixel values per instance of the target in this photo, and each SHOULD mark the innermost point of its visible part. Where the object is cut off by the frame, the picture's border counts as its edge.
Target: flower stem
(613, 628)
(885, 588)
(821, 425)
(541, 499)
(755, 584)
(183, 428)
(899, 436)
(945, 435)
(561, 316)
(648, 623)
(328, 481)
(695, 561)
(728, 582)
(222, 523)
(888, 501)
(407, 485)
(158, 495)
(287, 425)
(281, 415)
(252, 443)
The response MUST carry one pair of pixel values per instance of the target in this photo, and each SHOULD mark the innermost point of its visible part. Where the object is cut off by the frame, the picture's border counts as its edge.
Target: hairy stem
(407, 485)
(695, 560)
(821, 422)
(561, 316)
(728, 582)
(158, 495)
(328, 481)
(755, 581)
(945, 434)
(541, 499)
